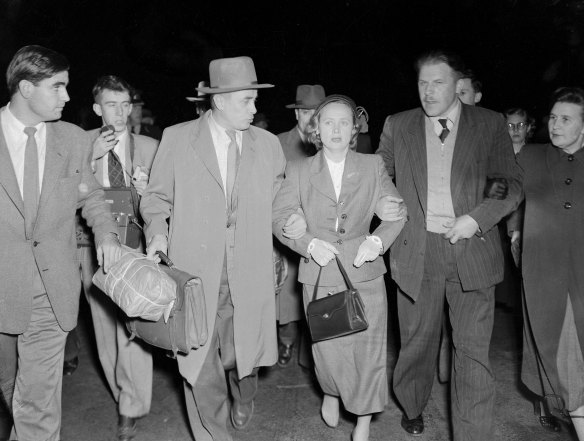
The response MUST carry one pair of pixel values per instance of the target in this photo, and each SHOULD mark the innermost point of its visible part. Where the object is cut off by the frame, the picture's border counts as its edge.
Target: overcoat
(68, 184)
(553, 251)
(482, 149)
(186, 190)
(293, 146)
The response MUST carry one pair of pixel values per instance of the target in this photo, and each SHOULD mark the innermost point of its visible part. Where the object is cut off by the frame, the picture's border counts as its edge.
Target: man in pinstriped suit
(440, 156)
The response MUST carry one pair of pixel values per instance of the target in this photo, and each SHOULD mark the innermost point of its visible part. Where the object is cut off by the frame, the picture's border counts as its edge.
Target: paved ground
(288, 402)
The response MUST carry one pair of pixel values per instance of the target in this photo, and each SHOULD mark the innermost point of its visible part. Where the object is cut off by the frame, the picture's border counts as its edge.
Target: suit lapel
(321, 178)
(464, 151)
(8, 176)
(247, 159)
(202, 143)
(55, 159)
(416, 140)
(351, 177)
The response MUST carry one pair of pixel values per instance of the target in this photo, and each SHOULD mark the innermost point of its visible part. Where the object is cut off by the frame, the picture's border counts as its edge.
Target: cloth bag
(138, 286)
(186, 327)
(338, 314)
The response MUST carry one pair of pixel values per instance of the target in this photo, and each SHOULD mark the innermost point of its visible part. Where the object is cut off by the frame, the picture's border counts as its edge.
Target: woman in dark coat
(338, 190)
(553, 254)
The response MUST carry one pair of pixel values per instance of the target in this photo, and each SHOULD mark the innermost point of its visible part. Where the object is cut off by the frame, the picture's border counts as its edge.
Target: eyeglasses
(519, 126)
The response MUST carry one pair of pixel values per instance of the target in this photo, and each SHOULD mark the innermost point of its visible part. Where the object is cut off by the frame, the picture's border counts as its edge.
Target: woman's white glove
(368, 250)
(321, 251)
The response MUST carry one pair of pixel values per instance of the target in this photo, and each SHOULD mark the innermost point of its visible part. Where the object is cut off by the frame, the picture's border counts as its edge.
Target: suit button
(340, 241)
(342, 231)
(405, 241)
(343, 216)
(568, 181)
(567, 205)
(306, 260)
(35, 243)
(342, 203)
(570, 158)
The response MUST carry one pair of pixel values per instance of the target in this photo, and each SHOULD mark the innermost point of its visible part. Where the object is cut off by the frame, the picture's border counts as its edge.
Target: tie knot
(231, 134)
(30, 131)
(442, 122)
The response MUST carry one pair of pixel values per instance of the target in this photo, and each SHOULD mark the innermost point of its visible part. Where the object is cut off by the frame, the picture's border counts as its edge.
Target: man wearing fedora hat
(201, 100)
(295, 145)
(214, 180)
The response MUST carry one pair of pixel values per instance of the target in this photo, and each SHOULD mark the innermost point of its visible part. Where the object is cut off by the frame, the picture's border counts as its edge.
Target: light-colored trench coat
(185, 188)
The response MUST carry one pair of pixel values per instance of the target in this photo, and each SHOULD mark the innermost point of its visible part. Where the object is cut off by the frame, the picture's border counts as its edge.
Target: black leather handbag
(186, 327)
(338, 314)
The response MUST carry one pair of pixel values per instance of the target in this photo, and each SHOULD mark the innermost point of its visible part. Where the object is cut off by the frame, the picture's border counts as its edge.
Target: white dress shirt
(16, 141)
(221, 141)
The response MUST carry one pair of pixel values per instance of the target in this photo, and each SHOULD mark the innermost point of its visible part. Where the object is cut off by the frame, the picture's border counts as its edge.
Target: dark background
(520, 49)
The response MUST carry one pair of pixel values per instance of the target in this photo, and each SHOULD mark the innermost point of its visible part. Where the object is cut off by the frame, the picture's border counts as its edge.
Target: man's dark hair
(440, 56)
(111, 82)
(34, 63)
(476, 84)
(573, 95)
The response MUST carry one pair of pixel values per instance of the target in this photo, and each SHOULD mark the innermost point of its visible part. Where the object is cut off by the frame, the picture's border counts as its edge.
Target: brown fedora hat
(201, 96)
(308, 97)
(231, 75)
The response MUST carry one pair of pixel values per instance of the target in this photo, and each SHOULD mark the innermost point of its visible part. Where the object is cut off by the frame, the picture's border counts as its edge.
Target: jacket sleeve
(94, 209)
(387, 231)
(158, 197)
(385, 149)
(500, 163)
(286, 203)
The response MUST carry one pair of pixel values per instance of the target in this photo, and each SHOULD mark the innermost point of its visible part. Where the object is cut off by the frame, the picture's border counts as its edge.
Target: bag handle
(343, 272)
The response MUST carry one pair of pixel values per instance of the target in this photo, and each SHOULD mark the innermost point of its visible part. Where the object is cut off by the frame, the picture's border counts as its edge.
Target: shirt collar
(220, 132)
(17, 124)
(451, 116)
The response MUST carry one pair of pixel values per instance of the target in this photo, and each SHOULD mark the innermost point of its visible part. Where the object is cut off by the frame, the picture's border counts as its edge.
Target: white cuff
(377, 241)
(311, 246)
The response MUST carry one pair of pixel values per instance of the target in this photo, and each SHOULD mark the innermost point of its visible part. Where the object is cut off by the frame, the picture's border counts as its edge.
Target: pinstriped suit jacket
(482, 148)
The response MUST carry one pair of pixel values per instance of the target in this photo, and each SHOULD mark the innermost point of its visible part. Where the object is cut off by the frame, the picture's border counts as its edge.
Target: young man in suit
(295, 145)
(449, 251)
(213, 181)
(120, 159)
(45, 175)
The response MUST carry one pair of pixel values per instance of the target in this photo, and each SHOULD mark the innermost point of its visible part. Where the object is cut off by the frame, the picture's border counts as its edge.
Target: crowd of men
(205, 194)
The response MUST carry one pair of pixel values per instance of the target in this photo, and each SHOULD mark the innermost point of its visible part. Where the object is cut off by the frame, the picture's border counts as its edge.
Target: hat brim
(301, 106)
(193, 99)
(216, 90)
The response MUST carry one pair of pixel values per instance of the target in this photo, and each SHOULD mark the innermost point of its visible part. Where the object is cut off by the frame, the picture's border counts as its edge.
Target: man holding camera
(120, 160)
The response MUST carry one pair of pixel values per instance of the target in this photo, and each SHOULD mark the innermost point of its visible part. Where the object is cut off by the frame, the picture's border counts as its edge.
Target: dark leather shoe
(415, 426)
(284, 354)
(126, 428)
(241, 415)
(69, 366)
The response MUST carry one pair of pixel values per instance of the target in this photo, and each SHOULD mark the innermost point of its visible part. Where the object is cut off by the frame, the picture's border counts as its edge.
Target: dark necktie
(30, 186)
(115, 170)
(445, 130)
(232, 163)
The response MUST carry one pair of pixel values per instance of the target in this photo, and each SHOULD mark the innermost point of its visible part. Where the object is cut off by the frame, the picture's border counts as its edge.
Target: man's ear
(25, 88)
(219, 101)
(478, 97)
(459, 86)
(296, 112)
(97, 109)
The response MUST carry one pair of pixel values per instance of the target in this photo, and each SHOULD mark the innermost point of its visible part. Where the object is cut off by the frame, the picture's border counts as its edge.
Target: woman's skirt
(354, 367)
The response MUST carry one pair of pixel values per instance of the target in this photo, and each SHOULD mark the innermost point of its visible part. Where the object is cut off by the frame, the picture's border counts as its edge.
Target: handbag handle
(343, 272)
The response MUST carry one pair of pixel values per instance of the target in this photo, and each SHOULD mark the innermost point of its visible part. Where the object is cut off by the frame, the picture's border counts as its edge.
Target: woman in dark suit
(553, 251)
(338, 190)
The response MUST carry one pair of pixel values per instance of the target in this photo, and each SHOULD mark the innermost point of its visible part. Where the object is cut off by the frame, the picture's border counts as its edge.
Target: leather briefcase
(338, 314)
(186, 327)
